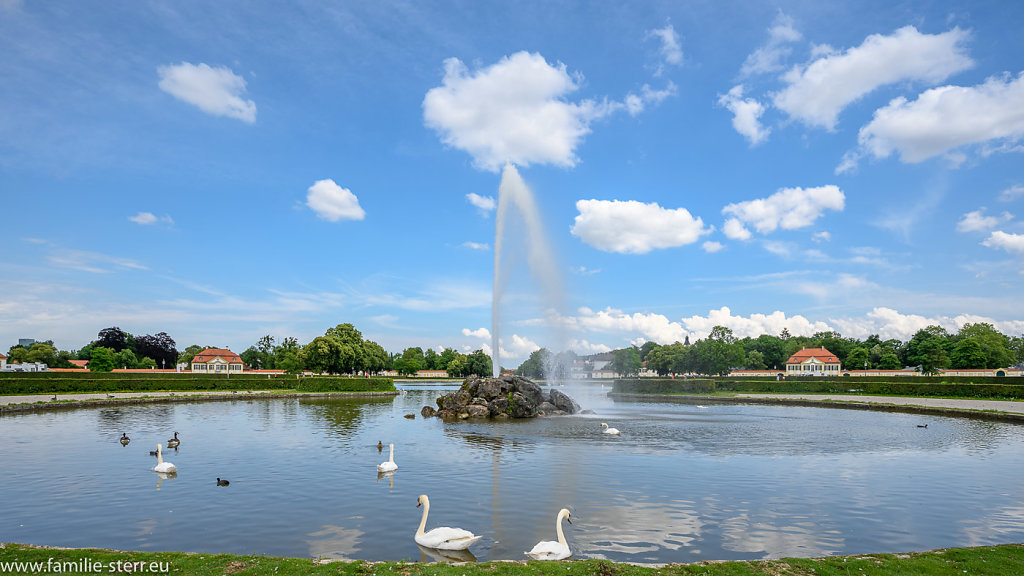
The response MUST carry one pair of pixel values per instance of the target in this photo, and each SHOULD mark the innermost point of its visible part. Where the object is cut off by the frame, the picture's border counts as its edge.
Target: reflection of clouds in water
(146, 527)
(334, 542)
(994, 528)
(790, 537)
(635, 529)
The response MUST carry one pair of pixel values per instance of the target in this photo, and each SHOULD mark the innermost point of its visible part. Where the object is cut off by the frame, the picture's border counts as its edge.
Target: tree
(646, 349)
(410, 362)
(927, 349)
(375, 358)
(126, 359)
(189, 353)
(457, 365)
(856, 359)
(968, 354)
(755, 361)
(289, 356)
(113, 338)
(536, 365)
(431, 359)
(625, 361)
(889, 361)
(995, 345)
(323, 354)
(719, 353)
(159, 347)
(478, 363)
(102, 359)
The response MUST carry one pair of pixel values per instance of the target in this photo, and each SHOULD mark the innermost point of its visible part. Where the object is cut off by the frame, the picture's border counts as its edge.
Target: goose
(161, 466)
(222, 482)
(125, 439)
(380, 446)
(550, 550)
(54, 398)
(442, 537)
(390, 465)
(173, 442)
(608, 430)
(922, 425)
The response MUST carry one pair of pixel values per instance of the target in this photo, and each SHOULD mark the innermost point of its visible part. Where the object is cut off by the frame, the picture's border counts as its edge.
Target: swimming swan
(390, 465)
(608, 430)
(549, 550)
(443, 537)
(173, 442)
(161, 466)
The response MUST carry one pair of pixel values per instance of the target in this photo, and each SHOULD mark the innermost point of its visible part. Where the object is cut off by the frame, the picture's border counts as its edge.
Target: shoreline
(998, 410)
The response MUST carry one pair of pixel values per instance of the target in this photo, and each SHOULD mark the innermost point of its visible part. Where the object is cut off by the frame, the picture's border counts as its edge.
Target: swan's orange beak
(417, 502)
(568, 519)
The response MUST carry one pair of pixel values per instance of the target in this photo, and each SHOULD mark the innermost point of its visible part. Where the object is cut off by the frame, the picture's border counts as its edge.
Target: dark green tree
(102, 359)
(968, 353)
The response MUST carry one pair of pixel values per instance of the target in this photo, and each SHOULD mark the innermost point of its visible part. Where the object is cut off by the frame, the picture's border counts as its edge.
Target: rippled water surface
(682, 483)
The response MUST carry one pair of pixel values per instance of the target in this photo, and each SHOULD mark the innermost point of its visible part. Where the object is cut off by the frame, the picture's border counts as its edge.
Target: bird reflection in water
(389, 475)
(161, 476)
(435, 555)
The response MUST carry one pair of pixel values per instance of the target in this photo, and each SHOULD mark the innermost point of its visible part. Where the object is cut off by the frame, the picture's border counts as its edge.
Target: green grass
(1007, 559)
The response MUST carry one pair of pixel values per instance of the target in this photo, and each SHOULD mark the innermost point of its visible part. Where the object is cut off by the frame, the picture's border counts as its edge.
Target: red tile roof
(223, 353)
(806, 354)
(79, 363)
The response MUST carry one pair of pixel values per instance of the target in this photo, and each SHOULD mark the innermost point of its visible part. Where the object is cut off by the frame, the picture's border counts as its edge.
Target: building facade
(217, 361)
(813, 362)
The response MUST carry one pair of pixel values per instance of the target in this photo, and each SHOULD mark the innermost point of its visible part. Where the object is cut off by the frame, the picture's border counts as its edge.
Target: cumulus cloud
(943, 119)
(635, 104)
(789, 208)
(519, 347)
(817, 92)
(746, 114)
(147, 218)
(1011, 193)
(584, 347)
(484, 203)
(512, 111)
(822, 236)
(976, 221)
(217, 91)
(631, 227)
(711, 246)
(671, 50)
(753, 325)
(769, 58)
(332, 202)
(653, 327)
(735, 230)
(482, 333)
(1013, 243)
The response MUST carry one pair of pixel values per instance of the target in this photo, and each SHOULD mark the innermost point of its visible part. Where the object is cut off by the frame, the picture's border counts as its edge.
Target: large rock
(503, 397)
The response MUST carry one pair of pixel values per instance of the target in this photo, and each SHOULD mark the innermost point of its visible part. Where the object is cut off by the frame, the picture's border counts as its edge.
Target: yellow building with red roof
(217, 361)
(813, 362)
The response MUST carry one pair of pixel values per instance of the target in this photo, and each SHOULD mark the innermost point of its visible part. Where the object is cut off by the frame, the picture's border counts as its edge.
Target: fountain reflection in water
(514, 194)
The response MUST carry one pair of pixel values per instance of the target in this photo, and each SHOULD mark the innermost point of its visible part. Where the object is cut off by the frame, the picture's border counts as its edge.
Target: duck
(390, 465)
(608, 430)
(442, 537)
(922, 425)
(173, 442)
(161, 466)
(125, 439)
(380, 446)
(222, 482)
(551, 550)
(153, 452)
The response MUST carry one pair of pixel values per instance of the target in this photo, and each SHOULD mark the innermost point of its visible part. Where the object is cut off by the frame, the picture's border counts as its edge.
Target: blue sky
(221, 171)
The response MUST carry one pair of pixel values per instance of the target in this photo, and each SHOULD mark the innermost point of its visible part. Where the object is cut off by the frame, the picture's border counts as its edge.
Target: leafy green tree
(126, 359)
(478, 363)
(889, 361)
(431, 359)
(857, 359)
(146, 363)
(719, 353)
(251, 356)
(186, 355)
(927, 349)
(375, 358)
(446, 357)
(323, 355)
(113, 338)
(626, 361)
(755, 361)
(159, 347)
(968, 353)
(995, 345)
(102, 359)
(458, 366)
(289, 356)
(646, 349)
(536, 365)
(265, 347)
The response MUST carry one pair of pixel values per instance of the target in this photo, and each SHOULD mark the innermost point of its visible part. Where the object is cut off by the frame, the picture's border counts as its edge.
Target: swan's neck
(391, 458)
(159, 455)
(558, 530)
(423, 521)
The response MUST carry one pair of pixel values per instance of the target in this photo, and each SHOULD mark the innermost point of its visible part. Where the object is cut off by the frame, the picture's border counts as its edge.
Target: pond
(683, 482)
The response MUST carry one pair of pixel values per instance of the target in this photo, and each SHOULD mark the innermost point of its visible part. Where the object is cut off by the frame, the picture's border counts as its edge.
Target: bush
(53, 382)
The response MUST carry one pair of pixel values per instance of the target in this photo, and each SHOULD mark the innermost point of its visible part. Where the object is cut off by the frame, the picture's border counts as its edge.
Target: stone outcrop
(502, 397)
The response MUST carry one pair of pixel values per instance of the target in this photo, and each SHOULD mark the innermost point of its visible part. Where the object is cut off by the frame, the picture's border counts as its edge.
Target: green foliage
(968, 354)
(626, 361)
(103, 360)
(332, 384)
(536, 365)
(16, 383)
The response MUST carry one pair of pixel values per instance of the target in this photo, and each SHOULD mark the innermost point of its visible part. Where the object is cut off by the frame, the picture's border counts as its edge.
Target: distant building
(80, 363)
(3, 361)
(217, 361)
(431, 373)
(813, 362)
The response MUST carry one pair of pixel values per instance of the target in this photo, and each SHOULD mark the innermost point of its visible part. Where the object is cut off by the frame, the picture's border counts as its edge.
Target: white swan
(442, 537)
(390, 465)
(608, 430)
(549, 550)
(161, 466)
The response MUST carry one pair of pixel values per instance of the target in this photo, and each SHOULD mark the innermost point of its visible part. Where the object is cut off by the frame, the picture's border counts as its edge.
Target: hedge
(57, 382)
(894, 386)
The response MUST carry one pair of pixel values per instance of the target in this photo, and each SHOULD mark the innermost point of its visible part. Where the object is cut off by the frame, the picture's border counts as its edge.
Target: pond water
(683, 483)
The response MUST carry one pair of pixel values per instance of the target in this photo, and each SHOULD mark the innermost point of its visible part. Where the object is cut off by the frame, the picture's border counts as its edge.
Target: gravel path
(1007, 406)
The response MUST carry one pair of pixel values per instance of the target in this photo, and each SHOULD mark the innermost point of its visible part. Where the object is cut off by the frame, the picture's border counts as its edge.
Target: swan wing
(166, 467)
(445, 538)
(387, 467)
(549, 550)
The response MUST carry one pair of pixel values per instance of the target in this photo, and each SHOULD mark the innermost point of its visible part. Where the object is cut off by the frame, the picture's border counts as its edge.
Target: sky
(222, 171)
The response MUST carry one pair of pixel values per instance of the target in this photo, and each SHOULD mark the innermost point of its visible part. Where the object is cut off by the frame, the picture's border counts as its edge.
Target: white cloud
(818, 92)
(484, 203)
(217, 91)
(976, 221)
(789, 208)
(584, 347)
(1013, 243)
(822, 236)
(482, 333)
(746, 115)
(476, 246)
(671, 50)
(147, 218)
(945, 118)
(332, 202)
(753, 325)
(735, 230)
(631, 227)
(769, 57)
(711, 246)
(1011, 193)
(654, 327)
(584, 271)
(520, 347)
(513, 111)
(636, 104)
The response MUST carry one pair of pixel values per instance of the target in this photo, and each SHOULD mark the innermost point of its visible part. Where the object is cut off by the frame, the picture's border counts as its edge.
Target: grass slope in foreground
(1007, 559)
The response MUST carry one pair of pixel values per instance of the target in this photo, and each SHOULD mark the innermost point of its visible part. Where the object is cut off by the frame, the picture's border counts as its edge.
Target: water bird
(125, 439)
(550, 550)
(161, 466)
(410, 416)
(608, 430)
(54, 398)
(390, 465)
(922, 425)
(222, 482)
(110, 395)
(442, 537)
(173, 442)
(380, 446)
(153, 453)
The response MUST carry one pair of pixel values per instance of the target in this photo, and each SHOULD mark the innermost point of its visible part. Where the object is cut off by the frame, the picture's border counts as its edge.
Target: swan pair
(608, 430)
(390, 465)
(161, 466)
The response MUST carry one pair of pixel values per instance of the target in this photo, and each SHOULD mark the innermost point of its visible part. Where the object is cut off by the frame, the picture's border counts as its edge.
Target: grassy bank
(905, 386)
(16, 384)
(1000, 560)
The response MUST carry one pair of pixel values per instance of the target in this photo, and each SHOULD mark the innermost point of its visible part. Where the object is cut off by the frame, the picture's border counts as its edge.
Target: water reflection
(435, 555)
